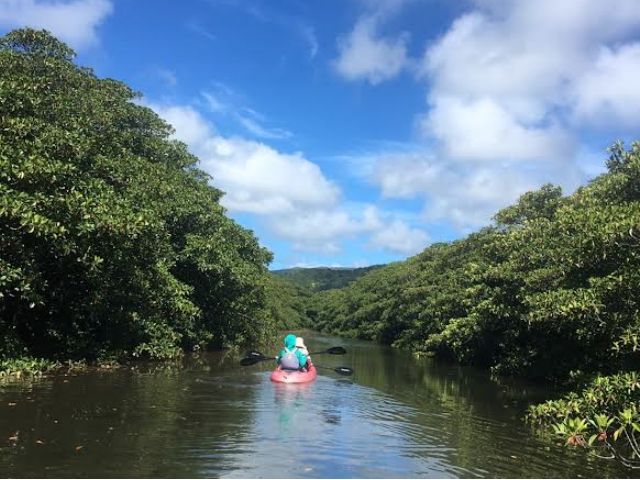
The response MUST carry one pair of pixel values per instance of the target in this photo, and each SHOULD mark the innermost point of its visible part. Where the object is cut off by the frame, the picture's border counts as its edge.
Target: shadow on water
(395, 417)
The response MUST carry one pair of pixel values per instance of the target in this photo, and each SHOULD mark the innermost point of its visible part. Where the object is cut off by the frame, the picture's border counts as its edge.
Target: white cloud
(527, 58)
(289, 193)
(466, 195)
(169, 76)
(221, 99)
(365, 56)
(252, 125)
(256, 178)
(609, 93)
(405, 175)
(74, 22)
(511, 87)
(469, 198)
(484, 130)
(309, 35)
(323, 230)
(316, 230)
(259, 179)
(399, 237)
(190, 126)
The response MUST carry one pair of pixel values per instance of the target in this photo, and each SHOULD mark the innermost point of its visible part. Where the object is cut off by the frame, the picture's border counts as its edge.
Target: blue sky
(356, 132)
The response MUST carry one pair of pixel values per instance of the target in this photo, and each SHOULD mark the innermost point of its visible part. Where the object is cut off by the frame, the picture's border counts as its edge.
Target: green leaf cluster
(112, 241)
(603, 417)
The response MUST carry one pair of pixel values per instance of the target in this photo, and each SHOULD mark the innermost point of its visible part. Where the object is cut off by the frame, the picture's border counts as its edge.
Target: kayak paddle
(253, 359)
(340, 370)
(331, 351)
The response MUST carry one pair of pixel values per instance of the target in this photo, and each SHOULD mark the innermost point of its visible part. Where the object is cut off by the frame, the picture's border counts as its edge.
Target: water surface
(208, 417)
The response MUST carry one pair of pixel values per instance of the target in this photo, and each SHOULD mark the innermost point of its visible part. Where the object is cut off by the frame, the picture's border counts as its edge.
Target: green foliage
(287, 304)
(25, 367)
(548, 292)
(112, 242)
(323, 278)
(604, 417)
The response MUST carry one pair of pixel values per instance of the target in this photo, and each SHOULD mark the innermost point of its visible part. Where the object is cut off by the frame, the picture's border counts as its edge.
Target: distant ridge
(323, 278)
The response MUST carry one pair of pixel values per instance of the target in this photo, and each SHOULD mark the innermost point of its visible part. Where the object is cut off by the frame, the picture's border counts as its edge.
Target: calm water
(395, 417)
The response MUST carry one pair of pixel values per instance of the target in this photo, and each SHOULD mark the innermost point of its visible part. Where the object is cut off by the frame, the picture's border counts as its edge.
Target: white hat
(300, 342)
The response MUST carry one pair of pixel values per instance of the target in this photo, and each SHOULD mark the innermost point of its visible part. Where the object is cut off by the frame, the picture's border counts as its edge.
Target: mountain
(323, 278)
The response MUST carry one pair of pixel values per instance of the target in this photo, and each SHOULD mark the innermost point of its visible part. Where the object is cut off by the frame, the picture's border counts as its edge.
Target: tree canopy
(112, 241)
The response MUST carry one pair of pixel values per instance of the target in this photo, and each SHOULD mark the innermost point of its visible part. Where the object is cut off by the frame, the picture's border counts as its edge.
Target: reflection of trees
(477, 419)
(129, 423)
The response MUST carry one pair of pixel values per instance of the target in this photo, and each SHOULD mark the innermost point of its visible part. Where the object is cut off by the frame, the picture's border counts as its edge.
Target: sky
(348, 133)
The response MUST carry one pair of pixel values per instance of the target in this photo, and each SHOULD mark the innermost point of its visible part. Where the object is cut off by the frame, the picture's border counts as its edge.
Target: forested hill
(323, 278)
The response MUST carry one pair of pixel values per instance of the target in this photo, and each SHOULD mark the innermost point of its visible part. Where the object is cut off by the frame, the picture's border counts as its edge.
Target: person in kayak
(303, 348)
(291, 358)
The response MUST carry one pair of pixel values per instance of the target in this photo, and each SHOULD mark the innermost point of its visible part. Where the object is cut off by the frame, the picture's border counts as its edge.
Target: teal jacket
(290, 346)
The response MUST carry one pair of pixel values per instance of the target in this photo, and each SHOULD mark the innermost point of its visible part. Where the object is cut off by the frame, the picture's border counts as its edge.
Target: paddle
(252, 360)
(254, 357)
(340, 370)
(330, 351)
(245, 362)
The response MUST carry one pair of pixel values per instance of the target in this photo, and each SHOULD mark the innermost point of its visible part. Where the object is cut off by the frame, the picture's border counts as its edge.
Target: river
(206, 416)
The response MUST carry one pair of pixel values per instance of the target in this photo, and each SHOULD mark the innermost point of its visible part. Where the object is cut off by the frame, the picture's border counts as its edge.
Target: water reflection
(290, 400)
(207, 417)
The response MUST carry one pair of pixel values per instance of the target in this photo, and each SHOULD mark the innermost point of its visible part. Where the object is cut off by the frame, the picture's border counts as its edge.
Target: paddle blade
(343, 370)
(332, 351)
(253, 353)
(336, 351)
(245, 362)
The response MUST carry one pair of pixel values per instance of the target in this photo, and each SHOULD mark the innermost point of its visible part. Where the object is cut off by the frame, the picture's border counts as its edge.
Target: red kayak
(294, 376)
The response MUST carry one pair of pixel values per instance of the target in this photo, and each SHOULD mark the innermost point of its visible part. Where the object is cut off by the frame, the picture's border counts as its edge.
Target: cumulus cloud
(399, 237)
(405, 175)
(260, 179)
(466, 195)
(256, 177)
(75, 21)
(554, 49)
(189, 125)
(322, 230)
(287, 191)
(608, 91)
(484, 130)
(511, 88)
(363, 55)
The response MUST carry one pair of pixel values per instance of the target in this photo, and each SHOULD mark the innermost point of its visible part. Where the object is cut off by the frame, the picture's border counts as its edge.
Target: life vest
(289, 361)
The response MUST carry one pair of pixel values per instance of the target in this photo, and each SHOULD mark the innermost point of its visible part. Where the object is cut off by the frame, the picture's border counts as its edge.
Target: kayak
(294, 376)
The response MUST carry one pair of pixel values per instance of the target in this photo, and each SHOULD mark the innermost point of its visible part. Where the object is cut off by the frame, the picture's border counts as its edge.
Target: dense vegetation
(323, 278)
(550, 291)
(288, 302)
(112, 242)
